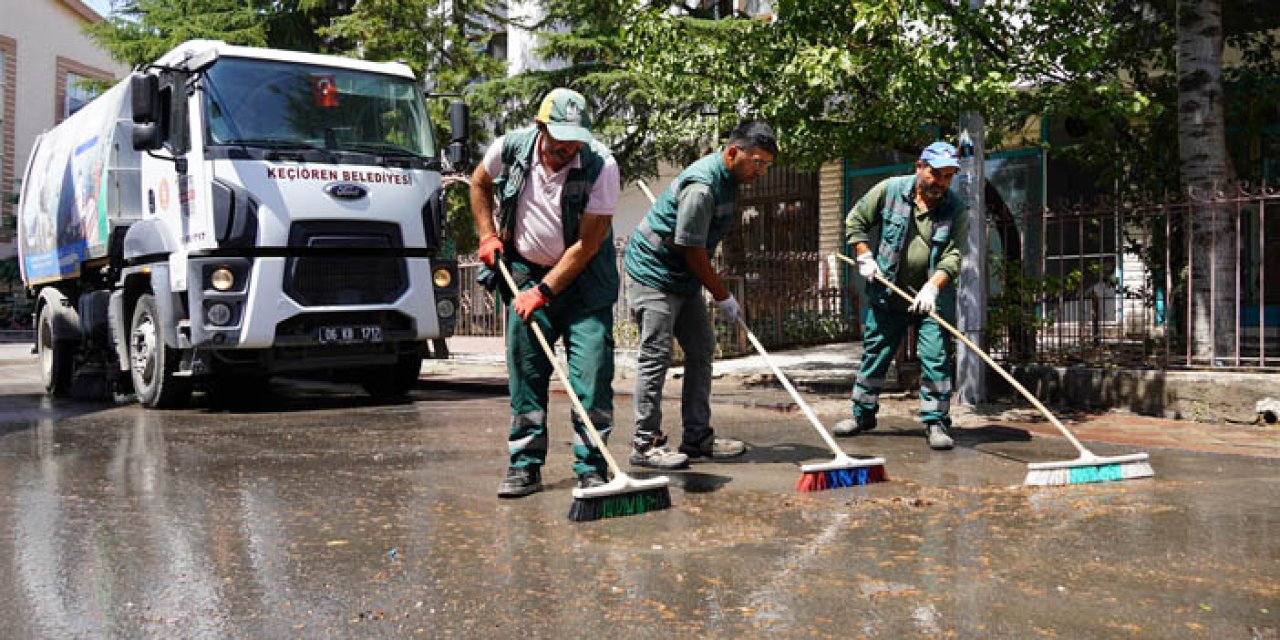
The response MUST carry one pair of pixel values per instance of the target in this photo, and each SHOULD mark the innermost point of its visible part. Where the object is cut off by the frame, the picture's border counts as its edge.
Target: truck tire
(57, 359)
(391, 383)
(152, 363)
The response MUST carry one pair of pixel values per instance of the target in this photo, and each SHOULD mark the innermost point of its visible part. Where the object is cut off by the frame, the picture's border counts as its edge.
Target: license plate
(350, 334)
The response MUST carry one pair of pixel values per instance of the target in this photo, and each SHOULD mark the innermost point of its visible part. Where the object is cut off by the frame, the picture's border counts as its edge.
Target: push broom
(621, 496)
(1089, 467)
(841, 471)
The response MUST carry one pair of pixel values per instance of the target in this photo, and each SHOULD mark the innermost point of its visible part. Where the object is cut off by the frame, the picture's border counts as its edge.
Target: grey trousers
(659, 317)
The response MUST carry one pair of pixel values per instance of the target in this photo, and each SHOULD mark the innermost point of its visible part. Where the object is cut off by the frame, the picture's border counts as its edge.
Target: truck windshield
(285, 105)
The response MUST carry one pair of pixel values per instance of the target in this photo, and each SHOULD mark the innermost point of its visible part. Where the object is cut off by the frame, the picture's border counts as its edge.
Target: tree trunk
(1205, 169)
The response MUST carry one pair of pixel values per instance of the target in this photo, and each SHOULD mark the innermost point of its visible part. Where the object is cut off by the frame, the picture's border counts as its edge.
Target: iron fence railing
(785, 309)
(1187, 283)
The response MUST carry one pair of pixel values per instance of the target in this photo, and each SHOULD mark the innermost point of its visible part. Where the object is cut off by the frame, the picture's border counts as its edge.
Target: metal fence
(781, 311)
(1186, 283)
(769, 260)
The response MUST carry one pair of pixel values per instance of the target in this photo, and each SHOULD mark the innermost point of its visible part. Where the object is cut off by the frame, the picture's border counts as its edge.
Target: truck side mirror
(144, 92)
(146, 136)
(145, 96)
(459, 133)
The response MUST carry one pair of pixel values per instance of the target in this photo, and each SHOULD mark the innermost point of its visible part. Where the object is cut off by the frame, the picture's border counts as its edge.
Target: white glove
(729, 307)
(925, 301)
(867, 267)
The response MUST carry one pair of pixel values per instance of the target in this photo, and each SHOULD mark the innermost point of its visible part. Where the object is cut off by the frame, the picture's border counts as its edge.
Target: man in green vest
(557, 190)
(668, 263)
(908, 229)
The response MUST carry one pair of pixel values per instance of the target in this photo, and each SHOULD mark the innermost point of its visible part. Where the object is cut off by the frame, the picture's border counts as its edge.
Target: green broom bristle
(620, 505)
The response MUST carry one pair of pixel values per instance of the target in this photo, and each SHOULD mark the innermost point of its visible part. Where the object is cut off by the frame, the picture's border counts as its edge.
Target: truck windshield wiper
(378, 148)
(275, 143)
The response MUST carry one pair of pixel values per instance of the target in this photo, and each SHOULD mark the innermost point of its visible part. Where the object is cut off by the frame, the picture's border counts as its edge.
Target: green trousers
(882, 332)
(588, 345)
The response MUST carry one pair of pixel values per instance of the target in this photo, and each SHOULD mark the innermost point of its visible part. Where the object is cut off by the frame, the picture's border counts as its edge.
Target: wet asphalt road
(324, 515)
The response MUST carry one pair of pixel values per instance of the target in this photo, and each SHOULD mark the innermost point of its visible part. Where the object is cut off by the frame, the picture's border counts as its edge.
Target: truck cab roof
(197, 54)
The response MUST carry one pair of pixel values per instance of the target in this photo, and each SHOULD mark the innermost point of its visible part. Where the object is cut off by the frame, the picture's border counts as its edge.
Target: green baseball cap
(564, 111)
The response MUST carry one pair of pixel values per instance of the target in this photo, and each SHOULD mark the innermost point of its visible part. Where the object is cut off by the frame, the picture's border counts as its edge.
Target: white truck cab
(253, 212)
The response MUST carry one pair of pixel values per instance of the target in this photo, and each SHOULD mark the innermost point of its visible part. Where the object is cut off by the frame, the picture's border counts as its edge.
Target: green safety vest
(597, 285)
(897, 217)
(651, 258)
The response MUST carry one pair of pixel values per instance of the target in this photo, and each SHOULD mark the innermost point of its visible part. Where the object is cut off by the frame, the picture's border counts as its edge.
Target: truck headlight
(442, 278)
(445, 308)
(218, 314)
(222, 279)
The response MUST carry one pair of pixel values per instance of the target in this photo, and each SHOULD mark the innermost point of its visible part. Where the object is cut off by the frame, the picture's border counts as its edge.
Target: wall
(45, 31)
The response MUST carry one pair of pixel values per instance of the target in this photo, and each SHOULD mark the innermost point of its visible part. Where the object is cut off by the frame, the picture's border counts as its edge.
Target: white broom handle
(973, 347)
(645, 188)
(786, 384)
(564, 377)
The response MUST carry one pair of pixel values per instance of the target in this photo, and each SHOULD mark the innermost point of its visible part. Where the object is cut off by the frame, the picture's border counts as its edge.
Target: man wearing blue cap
(557, 191)
(907, 229)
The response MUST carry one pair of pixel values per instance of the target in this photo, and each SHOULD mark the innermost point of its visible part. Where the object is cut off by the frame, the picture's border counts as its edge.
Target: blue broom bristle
(838, 478)
(620, 505)
(1099, 473)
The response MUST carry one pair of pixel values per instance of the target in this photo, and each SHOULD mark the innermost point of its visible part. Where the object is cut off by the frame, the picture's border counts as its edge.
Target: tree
(140, 31)
(1202, 149)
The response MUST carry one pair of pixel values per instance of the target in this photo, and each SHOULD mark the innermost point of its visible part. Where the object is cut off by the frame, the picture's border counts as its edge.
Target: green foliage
(139, 31)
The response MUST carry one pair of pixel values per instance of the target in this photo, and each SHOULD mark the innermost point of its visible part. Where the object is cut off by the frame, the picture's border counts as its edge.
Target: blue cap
(940, 155)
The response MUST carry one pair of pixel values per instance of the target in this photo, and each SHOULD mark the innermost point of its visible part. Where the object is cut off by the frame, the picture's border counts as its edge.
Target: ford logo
(346, 190)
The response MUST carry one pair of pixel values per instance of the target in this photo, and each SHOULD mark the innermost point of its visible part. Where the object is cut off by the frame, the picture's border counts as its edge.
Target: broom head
(842, 471)
(1089, 468)
(622, 496)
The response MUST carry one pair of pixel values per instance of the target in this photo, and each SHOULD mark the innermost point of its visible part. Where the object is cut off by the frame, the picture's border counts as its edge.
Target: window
(77, 85)
(8, 163)
(79, 91)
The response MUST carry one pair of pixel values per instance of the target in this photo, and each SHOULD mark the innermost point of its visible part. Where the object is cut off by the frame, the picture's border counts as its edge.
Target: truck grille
(332, 278)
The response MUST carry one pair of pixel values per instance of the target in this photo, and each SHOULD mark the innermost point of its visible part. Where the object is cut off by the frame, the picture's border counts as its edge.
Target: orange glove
(490, 250)
(531, 300)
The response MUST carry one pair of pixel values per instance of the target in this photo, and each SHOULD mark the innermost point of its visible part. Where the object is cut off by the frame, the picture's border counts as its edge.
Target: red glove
(490, 248)
(530, 300)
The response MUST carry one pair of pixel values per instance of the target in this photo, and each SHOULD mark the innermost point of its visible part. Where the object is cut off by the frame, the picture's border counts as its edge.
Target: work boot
(714, 447)
(939, 436)
(591, 479)
(520, 482)
(853, 426)
(657, 456)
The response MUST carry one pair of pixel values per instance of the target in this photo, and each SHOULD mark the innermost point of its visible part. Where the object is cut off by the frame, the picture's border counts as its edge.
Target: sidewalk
(825, 373)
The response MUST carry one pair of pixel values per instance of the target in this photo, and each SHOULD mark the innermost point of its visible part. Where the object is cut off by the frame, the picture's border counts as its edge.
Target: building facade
(49, 68)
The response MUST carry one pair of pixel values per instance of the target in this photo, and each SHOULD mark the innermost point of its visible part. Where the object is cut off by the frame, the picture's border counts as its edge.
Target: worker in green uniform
(557, 191)
(908, 229)
(668, 263)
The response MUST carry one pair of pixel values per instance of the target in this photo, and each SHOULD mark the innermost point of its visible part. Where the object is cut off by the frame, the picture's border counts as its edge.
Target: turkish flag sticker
(323, 90)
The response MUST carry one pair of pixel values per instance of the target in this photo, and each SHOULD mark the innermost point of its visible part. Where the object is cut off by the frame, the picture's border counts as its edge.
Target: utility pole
(971, 299)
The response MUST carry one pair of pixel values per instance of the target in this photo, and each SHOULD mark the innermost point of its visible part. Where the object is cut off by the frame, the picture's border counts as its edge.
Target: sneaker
(715, 447)
(591, 479)
(520, 482)
(852, 427)
(939, 436)
(658, 457)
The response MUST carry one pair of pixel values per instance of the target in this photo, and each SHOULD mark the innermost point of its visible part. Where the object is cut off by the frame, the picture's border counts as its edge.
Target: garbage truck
(227, 214)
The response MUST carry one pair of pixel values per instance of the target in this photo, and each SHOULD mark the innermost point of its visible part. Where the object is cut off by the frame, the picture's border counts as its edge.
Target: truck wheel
(394, 382)
(57, 359)
(151, 363)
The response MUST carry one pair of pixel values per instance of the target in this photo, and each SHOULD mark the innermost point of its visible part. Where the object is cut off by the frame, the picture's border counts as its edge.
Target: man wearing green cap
(557, 190)
(668, 263)
(908, 229)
